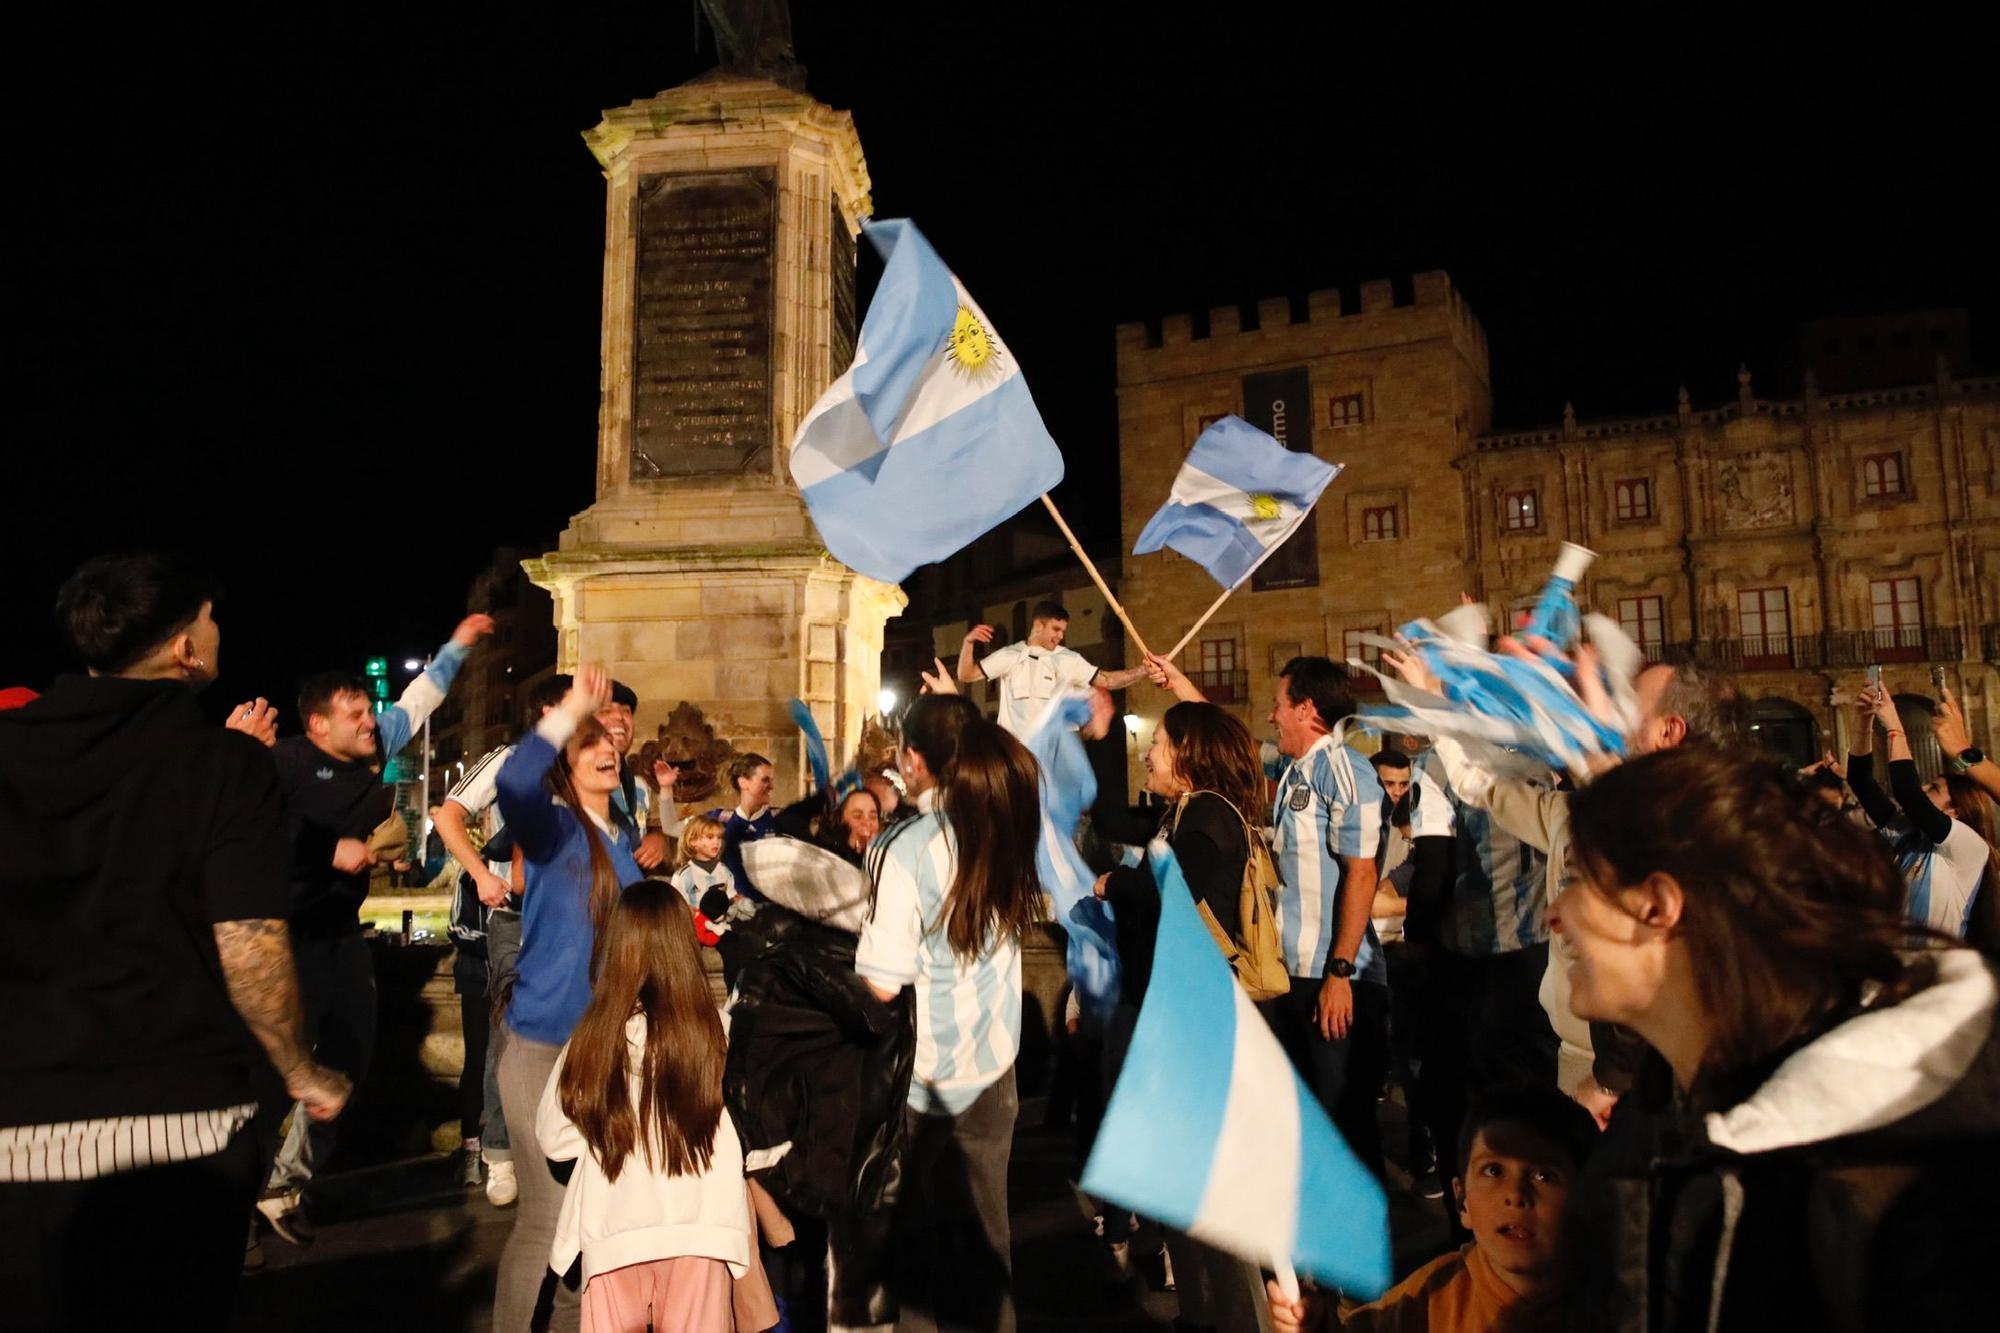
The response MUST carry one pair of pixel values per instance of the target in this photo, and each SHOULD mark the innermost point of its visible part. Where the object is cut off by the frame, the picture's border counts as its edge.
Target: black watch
(1340, 967)
(1967, 757)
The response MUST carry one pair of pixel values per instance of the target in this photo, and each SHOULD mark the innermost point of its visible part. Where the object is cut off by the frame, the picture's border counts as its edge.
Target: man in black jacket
(142, 877)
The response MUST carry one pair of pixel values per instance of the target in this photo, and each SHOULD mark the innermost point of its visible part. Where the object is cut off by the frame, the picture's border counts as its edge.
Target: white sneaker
(500, 1187)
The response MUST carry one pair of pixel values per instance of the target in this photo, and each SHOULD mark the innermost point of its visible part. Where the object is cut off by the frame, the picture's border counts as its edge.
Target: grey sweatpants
(953, 1264)
(525, 1066)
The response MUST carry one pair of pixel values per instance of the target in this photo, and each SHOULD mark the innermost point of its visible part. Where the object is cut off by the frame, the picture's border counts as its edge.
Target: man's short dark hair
(621, 693)
(317, 692)
(1048, 611)
(1322, 682)
(1544, 1111)
(546, 695)
(1389, 759)
(118, 608)
(743, 765)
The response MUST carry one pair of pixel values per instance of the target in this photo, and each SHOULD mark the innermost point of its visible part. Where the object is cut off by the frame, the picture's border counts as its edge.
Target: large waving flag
(1068, 787)
(1211, 1132)
(1236, 499)
(931, 437)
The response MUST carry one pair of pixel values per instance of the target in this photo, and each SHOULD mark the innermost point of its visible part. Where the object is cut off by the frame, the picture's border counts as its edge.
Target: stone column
(696, 576)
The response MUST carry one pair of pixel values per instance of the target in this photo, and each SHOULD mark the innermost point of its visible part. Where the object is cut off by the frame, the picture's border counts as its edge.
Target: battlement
(1381, 309)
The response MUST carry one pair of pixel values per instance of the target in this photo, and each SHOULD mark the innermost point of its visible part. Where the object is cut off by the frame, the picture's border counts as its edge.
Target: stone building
(1792, 542)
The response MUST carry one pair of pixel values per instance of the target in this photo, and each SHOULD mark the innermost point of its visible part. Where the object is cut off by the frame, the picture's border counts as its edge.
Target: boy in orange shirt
(1522, 1147)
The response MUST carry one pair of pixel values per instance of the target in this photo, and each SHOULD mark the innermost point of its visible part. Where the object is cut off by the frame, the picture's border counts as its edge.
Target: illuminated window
(1644, 620)
(1882, 475)
(1521, 511)
(1379, 525)
(1632, 500)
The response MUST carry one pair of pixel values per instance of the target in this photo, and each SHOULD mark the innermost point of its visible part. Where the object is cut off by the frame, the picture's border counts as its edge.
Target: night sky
(317, 295)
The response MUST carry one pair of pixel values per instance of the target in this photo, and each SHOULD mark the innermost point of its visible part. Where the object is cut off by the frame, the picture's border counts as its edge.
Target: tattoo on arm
(264, 987)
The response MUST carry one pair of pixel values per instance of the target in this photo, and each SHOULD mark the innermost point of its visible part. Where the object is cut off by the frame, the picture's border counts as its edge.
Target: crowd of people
(1689, 1041)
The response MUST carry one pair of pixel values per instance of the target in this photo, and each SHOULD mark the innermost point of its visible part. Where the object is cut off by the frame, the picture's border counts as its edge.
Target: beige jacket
(1540, 818)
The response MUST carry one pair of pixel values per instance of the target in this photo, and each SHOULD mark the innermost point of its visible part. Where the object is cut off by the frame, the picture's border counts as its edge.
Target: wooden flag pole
(1095, 577)
(1195, 629)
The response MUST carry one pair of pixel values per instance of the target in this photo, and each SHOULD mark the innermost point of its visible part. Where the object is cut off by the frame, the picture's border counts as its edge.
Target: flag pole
(1195, 629)
(1095, 577)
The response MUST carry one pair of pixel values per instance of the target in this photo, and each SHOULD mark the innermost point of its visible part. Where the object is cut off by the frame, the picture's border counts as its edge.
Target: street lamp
(885, 701)
(1131, 724)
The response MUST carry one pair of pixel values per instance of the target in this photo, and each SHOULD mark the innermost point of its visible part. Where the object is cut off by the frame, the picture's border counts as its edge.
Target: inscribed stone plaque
(841, 252)
(1279, 403)
(701, 344)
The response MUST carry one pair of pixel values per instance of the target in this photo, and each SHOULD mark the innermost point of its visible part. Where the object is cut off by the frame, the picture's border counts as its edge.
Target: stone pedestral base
(736, 631)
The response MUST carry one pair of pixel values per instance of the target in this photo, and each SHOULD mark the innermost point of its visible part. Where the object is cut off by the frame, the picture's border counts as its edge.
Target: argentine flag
(1211, 1132)
(930, 438)
(1068, 787)
(1237, 498)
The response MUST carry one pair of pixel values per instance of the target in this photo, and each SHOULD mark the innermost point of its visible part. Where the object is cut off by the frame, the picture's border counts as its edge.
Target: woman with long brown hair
(955, 890)
(1818, 1139)
(555, 792)
(1203, 764)
(656, 1206)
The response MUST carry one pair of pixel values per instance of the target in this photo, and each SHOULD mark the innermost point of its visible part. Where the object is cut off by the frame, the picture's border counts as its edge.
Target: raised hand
(1410, 665)
(940, 681)
(258, 720)
(1948, 725)
(980, 634)
(665, 775)
(589, 691)
(472, 629)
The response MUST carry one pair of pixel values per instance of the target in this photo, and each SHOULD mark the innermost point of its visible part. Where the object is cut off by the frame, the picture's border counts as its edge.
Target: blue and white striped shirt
(1329, 806)
(968, 1013)
(1500, 901)
(1944, 878)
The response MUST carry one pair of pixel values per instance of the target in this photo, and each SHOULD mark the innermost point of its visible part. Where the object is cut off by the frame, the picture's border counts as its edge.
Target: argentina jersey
(1328, 805)
(1500, 901)
(1943, 878)
(968, 1011)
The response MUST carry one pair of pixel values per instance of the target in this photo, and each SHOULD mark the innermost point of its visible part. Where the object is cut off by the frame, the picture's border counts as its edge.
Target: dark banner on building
(1279, 402)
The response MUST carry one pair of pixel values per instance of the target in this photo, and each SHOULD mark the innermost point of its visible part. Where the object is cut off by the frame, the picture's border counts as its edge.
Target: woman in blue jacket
(555, 792)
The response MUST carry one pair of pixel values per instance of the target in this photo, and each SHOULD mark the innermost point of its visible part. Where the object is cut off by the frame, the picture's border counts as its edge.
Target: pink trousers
(686, 1295)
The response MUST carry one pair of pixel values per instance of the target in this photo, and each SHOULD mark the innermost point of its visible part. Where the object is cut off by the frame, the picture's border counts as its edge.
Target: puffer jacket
(1852, 1190)
(818, 1063)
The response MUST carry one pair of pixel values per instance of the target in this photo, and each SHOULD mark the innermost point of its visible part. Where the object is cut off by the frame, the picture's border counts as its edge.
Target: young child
(1522, 1147)
(657, 1206)
(701, 873)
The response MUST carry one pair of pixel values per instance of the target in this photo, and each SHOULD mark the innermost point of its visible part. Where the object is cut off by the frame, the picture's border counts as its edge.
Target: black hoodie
(128, 825)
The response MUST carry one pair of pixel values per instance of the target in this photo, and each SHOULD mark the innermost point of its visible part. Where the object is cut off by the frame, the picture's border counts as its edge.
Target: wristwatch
(1967, 757)
(1340, 967)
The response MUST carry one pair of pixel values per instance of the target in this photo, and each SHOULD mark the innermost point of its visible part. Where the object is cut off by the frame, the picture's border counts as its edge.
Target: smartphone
(1937, 678)
(1875, 675)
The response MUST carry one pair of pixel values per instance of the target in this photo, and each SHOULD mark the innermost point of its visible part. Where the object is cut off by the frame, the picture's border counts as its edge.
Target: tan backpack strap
(1218, 796)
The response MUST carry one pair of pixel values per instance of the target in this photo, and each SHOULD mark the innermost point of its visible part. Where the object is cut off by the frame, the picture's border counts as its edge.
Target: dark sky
(316, 294)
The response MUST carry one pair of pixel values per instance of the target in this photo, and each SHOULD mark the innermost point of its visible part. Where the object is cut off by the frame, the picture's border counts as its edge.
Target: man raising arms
(1033, 672)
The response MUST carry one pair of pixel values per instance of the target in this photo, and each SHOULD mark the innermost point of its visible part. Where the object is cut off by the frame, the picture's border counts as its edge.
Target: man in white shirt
(1035, 671)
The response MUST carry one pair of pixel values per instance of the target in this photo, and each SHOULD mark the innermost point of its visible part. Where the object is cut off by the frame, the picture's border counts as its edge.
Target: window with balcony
(1379, 525)
(1353, 649)
(1644, 620)
(1896, 609)
(1882, 476)
(1219, 675)
(1764, 624)
(1521, 511)
(1346, 409)
(1632, 500)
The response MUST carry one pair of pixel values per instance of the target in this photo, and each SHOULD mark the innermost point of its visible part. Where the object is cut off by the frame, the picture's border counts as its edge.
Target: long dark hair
(1973, 808)
(1793, 913)
(603, 888)
(989, 794)
(1214, 752)
(651, 966)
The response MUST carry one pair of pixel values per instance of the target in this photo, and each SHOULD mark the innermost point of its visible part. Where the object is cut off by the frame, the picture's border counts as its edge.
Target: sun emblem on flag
(971, 346)
(1264, 506)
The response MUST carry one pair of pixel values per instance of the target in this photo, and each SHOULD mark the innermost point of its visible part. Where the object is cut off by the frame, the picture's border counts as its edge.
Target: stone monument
(734, 203)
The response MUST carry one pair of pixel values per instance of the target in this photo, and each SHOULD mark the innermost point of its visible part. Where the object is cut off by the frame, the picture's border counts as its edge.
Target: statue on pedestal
(754, 37)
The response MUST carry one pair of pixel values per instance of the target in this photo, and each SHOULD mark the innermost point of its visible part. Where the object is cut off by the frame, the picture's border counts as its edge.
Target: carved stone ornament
(1755, 490)
(687, 741)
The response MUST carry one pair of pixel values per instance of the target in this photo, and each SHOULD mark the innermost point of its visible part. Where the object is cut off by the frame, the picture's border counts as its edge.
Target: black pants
(475, 1020)
(157, 1248)
(1346, 1073)
(337, 992)
(1409, 973)
(954, 1266)
(1484, 1027)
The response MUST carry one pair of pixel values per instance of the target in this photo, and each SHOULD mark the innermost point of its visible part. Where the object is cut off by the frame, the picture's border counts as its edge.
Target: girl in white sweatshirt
(656, 1206)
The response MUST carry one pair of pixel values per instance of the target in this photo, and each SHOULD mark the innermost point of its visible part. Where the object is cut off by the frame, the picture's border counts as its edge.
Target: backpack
(1256, 957)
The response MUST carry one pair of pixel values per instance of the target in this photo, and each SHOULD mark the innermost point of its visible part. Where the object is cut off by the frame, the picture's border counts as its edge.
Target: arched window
(1785, 728)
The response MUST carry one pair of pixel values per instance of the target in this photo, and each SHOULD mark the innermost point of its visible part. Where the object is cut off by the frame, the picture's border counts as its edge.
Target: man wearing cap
(632, 804)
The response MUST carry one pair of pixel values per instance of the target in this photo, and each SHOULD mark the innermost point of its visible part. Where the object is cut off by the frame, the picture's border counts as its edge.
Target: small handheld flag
(1210, 1131)
(1238, 496)
(930, 438)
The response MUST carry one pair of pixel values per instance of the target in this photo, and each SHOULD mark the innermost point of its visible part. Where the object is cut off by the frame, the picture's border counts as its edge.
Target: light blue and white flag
(1069, 785)
(1236, 499)
(931, 437)
(1211, 1132)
